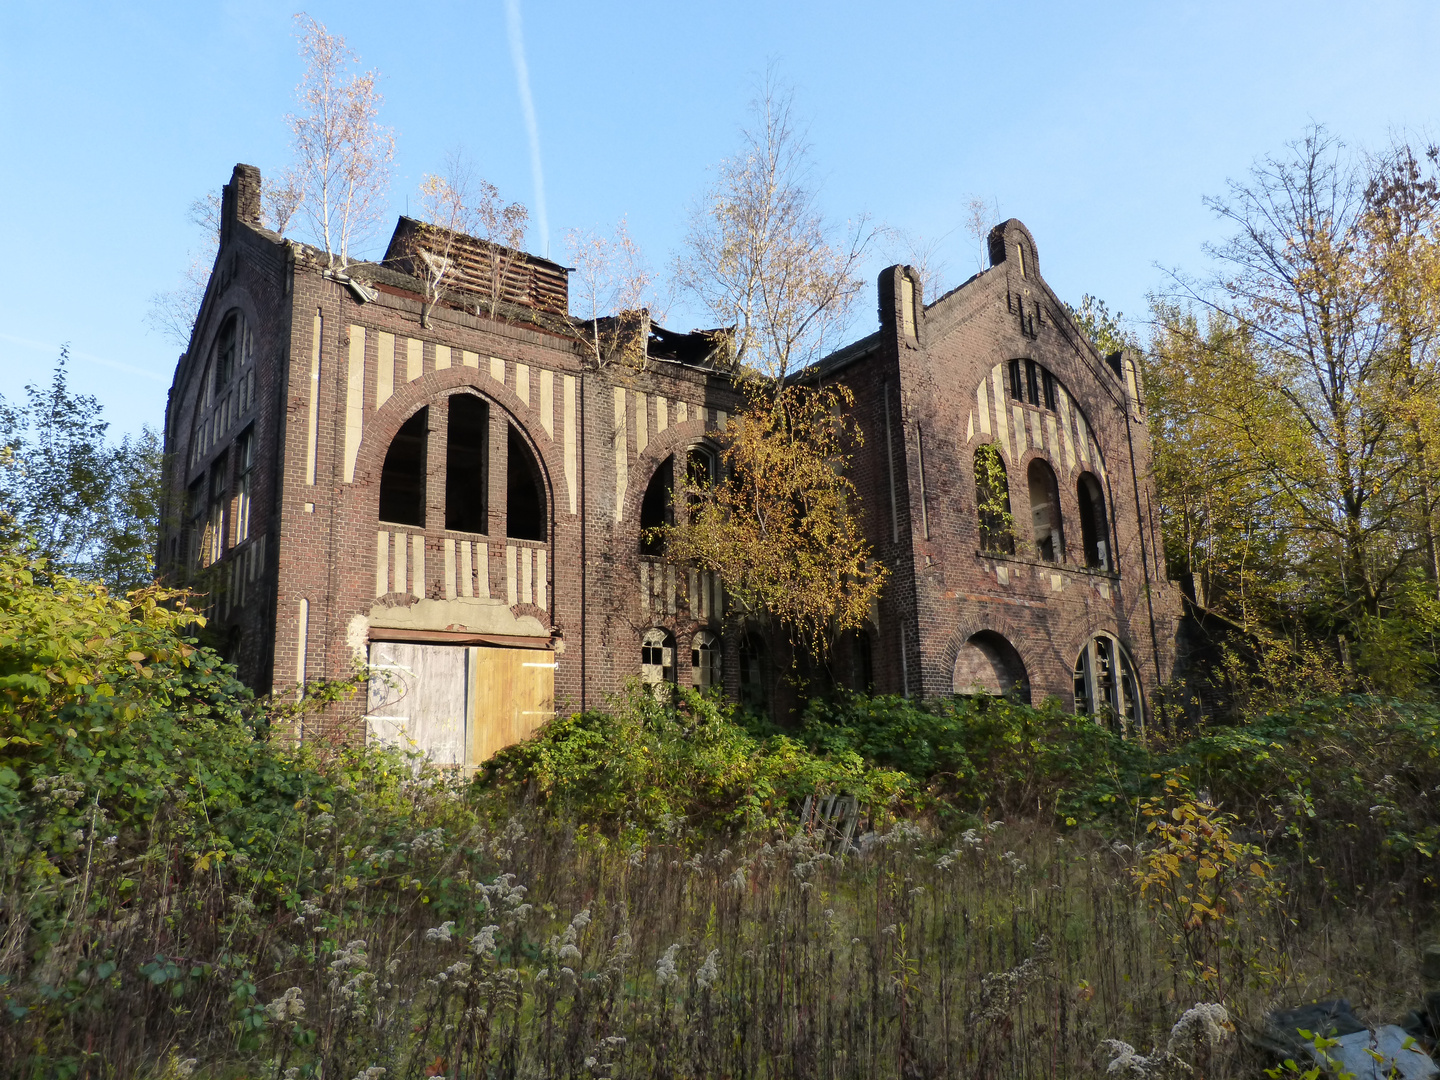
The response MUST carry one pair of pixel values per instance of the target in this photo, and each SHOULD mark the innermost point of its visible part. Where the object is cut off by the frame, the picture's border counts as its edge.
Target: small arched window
(402, 477)
(657, 657)
(1106, 684)
(754, 680)
(657, 509)
(467, 438)
(1045, 512)
(992, 500)
(525, 510)
(1094, 534)
(705, 655)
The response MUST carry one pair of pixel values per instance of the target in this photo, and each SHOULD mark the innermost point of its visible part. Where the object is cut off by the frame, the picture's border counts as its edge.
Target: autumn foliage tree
(782, 525)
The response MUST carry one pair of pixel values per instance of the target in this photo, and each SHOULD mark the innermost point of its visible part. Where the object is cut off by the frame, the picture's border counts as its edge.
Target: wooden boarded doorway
(458, 704)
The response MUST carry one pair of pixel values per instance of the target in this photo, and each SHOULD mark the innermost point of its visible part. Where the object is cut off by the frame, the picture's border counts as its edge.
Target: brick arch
(236, 298)
(673, 438)
(382, 424)
(995, 623)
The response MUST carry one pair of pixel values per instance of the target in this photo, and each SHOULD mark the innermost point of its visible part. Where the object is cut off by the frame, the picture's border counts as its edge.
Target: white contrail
(527, 105)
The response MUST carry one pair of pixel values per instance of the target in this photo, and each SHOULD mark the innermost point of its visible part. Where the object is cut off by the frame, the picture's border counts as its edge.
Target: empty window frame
(215, 517)
(1017, 380)
(1045, 512)
(657, 508)
(754, 678)
(1106, 684)
(992, 501)
(1094, 532)
(194, 523)
(244, 467)
(525, 491)
(1051, 387)
(862, 665)
(701, 469)
(467, 437)
(1032, 382)
(657, 657)
(402, 477)
(226, 348)
(705, 661)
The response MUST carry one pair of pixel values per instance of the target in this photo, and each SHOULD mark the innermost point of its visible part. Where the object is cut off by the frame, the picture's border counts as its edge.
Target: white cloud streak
(527, 106)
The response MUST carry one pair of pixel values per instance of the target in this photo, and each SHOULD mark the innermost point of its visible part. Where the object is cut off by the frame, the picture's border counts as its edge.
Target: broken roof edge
(404, 220)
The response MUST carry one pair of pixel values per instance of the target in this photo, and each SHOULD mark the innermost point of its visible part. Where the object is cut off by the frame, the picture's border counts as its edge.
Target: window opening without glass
(1106, 684)
(705, 661)
(466, 441)
(657, 508)
(1045, 512)
(402, 477)
(525, 510)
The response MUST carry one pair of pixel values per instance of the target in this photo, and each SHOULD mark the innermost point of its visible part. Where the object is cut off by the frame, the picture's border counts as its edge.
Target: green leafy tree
(88, 506)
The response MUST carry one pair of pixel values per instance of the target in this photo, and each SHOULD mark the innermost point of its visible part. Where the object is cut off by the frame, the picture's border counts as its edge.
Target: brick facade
(302, 575)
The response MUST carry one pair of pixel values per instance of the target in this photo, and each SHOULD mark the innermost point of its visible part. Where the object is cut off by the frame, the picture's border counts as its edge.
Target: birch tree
(761, 256)
(343, 156)
(613, 286)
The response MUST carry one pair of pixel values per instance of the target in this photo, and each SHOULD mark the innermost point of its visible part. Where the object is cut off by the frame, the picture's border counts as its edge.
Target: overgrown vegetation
(634, 892)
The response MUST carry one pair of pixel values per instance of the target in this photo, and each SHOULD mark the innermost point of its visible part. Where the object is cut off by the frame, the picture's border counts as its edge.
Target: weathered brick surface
(319, 539)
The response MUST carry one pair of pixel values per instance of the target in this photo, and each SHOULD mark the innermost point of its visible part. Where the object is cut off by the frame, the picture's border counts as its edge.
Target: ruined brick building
(455, 492)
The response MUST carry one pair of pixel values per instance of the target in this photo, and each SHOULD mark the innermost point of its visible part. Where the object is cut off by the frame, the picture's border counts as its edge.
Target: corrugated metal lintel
(457, 637)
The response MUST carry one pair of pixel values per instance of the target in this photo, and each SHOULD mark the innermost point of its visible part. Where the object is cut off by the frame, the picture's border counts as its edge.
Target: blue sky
(1100, 126)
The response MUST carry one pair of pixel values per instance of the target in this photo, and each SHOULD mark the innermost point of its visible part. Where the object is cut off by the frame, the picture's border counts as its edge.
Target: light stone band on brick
(354, 400)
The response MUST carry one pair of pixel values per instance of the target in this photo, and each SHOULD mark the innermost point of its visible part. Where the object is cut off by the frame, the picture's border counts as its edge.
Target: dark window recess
(225, 353)
(1032, 380)
(1094, 535)
(754, 693)
(402, 478)
(657, 508)
(1052, 391)
(525, 494)
(1045, 512)
(862, 665)
(467, 436)
(1017, 383)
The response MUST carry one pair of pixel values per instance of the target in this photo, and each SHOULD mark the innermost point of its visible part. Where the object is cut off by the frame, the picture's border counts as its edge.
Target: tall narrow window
(754, 693)
(705, 654)
(194, 523)
(525, 493)
(1093, 531)
(215, 523)
(465, 473)
(657, 509)
(225, 351)
(1052, 394)
(1032, 381)
(1045, 512)
(1017, 381)
(245, 465)
(992, 500)
(402, 478)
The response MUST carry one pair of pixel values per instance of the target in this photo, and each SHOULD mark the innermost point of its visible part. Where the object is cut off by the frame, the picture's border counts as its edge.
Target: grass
(425, 935)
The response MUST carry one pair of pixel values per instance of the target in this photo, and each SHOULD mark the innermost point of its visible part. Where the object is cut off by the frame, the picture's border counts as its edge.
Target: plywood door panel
(421, 705)
(512, 693)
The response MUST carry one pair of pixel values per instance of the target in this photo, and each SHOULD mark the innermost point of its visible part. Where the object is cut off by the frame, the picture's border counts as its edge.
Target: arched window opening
(1045, 512)
(1106, 685)
(525, 506)
(402, 477)
(989, 665)
(1094, 534)
(225, 352)
(701, 470)
(992, 499)
(754, 682)
(466, 442)
(657, 509)
(705, 657)
(657, 658)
